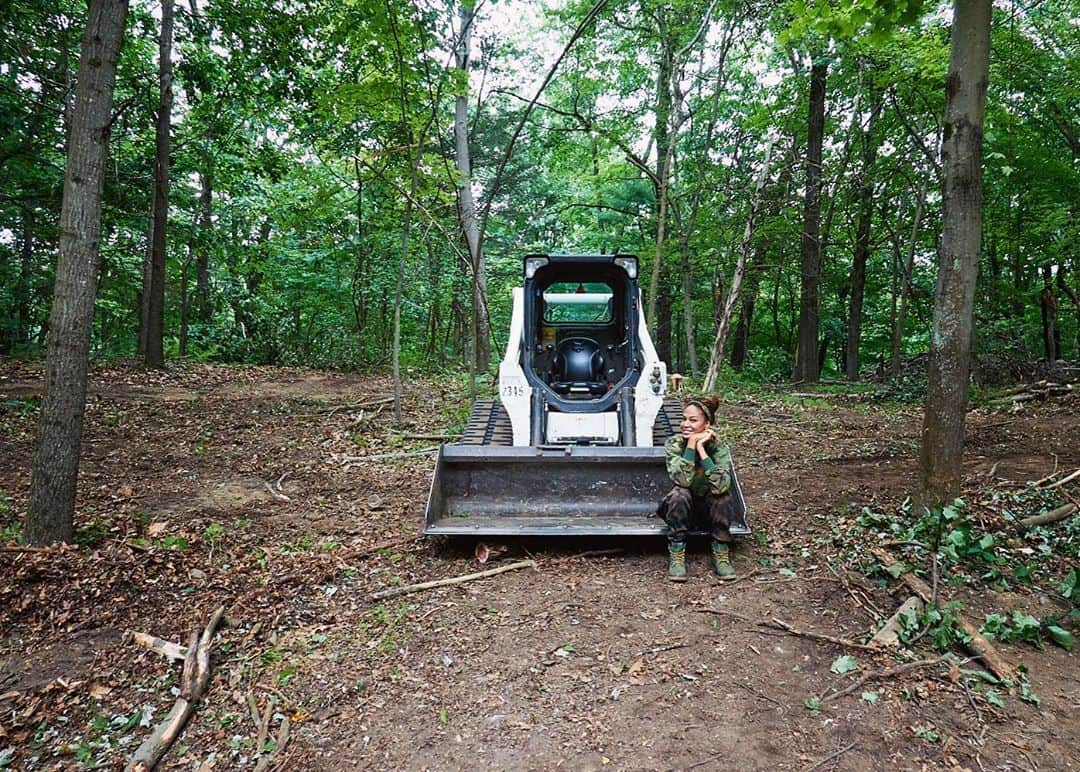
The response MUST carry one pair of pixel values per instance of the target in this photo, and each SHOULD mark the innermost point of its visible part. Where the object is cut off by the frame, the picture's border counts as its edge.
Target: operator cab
(580, 316)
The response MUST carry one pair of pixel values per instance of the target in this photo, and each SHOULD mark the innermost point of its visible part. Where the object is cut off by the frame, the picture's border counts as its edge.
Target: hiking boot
(721, 560)
(676, 571)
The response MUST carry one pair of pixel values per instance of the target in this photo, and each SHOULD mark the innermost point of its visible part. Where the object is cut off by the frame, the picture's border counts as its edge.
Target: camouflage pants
(683, 512)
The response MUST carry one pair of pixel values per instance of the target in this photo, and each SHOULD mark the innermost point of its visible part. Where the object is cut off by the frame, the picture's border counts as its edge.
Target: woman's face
(693, 421)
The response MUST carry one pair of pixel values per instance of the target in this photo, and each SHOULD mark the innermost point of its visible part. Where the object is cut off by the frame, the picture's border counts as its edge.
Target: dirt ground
(211, 486)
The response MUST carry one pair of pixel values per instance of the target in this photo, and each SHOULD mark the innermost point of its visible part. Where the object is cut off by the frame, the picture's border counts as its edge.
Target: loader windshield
(578, 303)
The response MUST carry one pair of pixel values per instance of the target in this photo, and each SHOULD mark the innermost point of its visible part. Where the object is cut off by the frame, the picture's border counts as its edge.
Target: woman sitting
(698, 466)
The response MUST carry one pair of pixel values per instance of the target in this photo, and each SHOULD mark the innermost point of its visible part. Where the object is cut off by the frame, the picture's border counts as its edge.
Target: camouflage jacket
(704, 477)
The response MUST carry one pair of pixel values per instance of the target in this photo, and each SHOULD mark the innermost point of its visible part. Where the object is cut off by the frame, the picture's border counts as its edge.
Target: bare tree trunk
(205, 224)
(905, 284)
(1063, 285)
(406, 228)
(481, 345)
(23, 302)
(55, 468)
(958, 265)
(1048, 306)
(185, 304)
(665, 151)
(862, 250)
(806, 351)
(154, 291)
(717, 356)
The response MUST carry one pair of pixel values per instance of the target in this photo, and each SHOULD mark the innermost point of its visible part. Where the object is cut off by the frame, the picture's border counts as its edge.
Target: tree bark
(55, 468)
(862, 250)
(204, 303)
(958, 263)
(481, 344)
(806, 352)
(154, 289)
(1048, 303)
(905, 284)
(717, 357)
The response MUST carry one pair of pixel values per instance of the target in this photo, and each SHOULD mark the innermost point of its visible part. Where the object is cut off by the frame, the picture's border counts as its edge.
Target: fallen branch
(889, 634)
(279, 743)
(782, 625)
(1063, 480)
(393, 592)
(830, 757)
(193, 684)
(978, 645)
(725, 613)
(880, 674)
(167, 649)
(1049, 517)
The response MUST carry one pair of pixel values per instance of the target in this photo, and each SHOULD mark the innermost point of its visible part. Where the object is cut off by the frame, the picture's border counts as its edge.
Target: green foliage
(1025, 628)
(292, 161)
(938, 625)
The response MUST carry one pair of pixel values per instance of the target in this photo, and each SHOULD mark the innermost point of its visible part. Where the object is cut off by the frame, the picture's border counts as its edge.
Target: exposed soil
(207, 486)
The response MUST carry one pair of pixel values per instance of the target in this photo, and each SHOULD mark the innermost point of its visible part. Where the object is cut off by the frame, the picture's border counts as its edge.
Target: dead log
(193, 683)
(1048, 517)
(978, 645)
(889, 634)
(393, 592)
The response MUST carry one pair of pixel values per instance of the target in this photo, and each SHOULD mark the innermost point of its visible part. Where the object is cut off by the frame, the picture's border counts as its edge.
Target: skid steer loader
(574, 446)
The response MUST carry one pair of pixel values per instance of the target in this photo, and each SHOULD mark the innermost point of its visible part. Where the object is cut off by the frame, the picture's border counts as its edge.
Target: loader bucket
(554, 491)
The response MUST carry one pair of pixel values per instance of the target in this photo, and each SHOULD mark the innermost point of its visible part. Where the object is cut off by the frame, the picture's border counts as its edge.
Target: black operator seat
(578, 368)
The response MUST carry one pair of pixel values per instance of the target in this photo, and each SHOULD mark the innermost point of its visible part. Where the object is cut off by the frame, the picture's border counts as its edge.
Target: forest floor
(208, 486)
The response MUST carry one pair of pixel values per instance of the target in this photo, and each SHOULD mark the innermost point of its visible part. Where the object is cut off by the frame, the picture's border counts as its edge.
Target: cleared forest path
(211, 486)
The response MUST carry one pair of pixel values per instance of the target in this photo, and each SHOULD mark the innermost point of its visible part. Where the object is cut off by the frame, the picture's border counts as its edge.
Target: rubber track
(488, 424)
(667, 420)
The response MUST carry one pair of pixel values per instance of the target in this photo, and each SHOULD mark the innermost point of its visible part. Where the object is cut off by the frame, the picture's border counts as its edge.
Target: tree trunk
(905, 284)
(958, 263)
(55, 468)
(406, 227)
(717, 356)
(154, 290)
(1048, 304)
(1063, 285)
(480, 334)
(23, 300)
(204, 302)
(665, 150)
(862, 252)
(185, 306)
(806, 351)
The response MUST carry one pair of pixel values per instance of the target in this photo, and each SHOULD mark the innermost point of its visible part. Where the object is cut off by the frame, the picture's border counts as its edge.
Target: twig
(726, 613)
(1062, 481)
(393, 592)
(264, 725)
(872, 609)
(761, 695)
(879, 674)
(598, 553)
(347, 460)
(829, 758)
